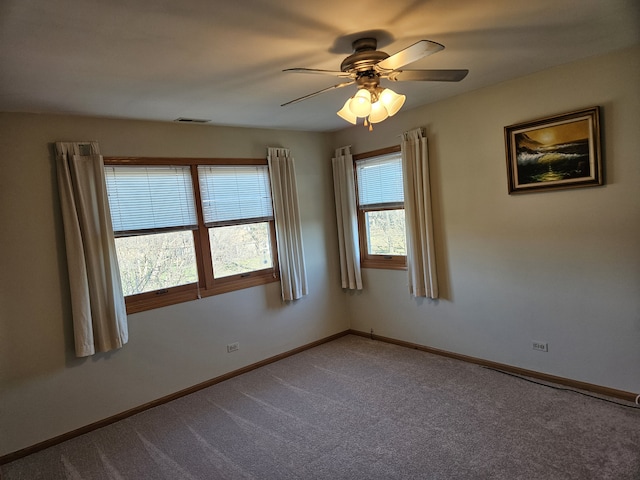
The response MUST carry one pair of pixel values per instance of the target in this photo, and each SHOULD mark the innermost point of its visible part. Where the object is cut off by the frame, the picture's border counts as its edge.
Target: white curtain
(346, 214)
(99, 314)
(293, 274)
(421, 259)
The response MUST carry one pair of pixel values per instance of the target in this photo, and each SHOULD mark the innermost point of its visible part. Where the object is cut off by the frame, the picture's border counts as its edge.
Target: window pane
(380, 180)
(153, 262)
(150, 198)
(232, 193)
(240, 249)
(385, 232)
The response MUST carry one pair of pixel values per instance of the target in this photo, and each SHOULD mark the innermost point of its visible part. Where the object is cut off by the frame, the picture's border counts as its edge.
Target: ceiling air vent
(191, 120)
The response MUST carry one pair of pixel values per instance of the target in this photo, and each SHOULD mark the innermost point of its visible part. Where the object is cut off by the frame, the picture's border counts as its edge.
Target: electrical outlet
(233, 347)
(540, 346)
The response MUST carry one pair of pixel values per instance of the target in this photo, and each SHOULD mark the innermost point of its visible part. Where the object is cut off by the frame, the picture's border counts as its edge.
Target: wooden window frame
(367, 260)
(207, 285)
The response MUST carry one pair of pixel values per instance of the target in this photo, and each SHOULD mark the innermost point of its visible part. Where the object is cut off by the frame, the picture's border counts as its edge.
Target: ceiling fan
(366, 66)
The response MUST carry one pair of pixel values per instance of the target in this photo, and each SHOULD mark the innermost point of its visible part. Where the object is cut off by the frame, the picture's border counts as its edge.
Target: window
(153, 213)
(188, 228)
(380, 199)
(236, 203)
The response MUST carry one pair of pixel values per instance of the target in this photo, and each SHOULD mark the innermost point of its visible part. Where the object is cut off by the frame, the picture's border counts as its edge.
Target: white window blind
(149, 199)
(380, 181)
(235, 194)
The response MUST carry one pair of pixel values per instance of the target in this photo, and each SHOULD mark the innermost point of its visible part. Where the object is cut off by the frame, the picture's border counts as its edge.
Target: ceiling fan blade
(340, 85)
(427, 75)
(321, 72)
(409, 55)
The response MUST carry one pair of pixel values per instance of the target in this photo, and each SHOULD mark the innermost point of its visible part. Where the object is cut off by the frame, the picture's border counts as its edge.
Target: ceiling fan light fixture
(373, 103)
(360, 104)
(378, 113)
(392, 101)
(346, 113)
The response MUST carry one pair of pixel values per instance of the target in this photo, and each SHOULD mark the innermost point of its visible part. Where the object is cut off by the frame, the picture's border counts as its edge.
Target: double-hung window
(380, 202)
(153, 215)
(237, 210)
(187, 228)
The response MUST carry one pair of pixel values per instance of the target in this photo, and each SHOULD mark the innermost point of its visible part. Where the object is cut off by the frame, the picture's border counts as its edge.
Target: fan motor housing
(365, 56)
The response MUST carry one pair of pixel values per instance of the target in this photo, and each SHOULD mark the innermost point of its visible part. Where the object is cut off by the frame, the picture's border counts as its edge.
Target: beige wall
(559, 267)
(45, 391)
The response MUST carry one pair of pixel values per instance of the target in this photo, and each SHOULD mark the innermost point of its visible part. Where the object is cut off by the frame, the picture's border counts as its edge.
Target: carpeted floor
(359, 409)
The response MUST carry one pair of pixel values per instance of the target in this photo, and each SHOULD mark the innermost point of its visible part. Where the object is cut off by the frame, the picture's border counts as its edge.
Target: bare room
(420, 295)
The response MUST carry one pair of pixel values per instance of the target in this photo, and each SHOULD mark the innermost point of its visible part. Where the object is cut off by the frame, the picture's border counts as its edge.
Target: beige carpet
(359, 409)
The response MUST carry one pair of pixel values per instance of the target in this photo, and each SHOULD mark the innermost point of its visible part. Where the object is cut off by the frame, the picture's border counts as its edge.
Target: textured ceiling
(223, 60)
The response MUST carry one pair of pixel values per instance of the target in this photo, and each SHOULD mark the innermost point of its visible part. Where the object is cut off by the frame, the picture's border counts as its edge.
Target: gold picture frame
(558, 152)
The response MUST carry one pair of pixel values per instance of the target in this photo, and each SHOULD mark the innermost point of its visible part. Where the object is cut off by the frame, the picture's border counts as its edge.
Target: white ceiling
(222, 60)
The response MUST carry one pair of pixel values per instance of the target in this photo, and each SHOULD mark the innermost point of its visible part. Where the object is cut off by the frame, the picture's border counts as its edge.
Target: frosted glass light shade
(360, 104)
(392, 101)
(378, 113)
(347, 114)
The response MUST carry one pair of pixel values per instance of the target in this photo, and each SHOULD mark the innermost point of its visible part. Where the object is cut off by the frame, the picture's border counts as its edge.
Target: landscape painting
(555, 152)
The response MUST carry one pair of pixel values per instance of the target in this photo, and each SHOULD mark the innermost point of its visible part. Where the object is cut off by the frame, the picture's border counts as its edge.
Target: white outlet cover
(540, 346)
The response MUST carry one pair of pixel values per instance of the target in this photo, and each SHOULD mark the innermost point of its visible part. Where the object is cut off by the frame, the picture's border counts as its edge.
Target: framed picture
(556, 152)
